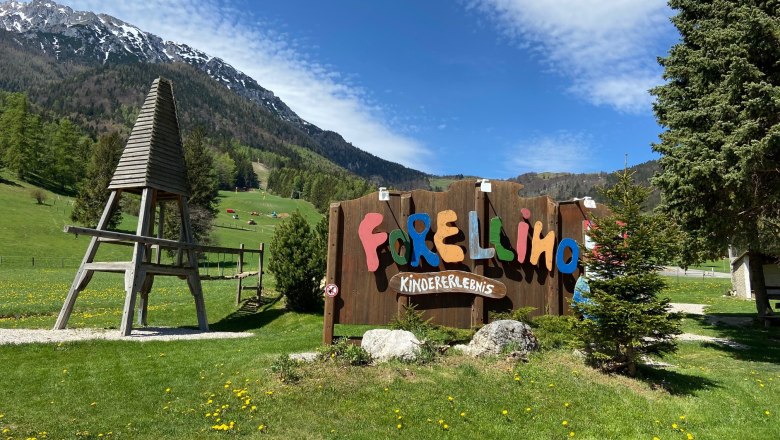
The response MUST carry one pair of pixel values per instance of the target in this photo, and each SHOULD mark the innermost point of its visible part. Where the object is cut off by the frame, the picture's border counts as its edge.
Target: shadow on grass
(675, 383)
(763, 344)
(250, 316)
(9, 182)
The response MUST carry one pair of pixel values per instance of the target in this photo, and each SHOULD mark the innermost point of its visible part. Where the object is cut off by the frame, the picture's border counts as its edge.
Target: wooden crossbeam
(114, 237)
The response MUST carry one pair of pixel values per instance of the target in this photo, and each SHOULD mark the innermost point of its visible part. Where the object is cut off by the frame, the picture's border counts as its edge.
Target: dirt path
(27, 336)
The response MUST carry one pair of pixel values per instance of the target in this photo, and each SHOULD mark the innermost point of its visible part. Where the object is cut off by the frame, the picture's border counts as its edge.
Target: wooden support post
(193, 279)
(143, 305)
(478, 303)
(160, 226)
(146, 287)
(135, 276)
(260, 271)
(82, 275)
(332, 271)
(240, 271)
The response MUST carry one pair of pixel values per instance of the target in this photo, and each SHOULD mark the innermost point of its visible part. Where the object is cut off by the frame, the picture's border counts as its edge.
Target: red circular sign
(331, 290)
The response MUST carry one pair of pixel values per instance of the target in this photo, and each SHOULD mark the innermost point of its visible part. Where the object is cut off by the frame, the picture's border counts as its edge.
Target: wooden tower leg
(193, 279)
(143, 303)
(135, 276)
(83, 276)
(143, 300)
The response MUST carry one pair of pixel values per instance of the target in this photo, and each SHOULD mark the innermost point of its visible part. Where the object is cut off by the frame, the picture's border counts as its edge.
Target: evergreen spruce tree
(721, 147)
(202, 181)
(625, 319)
(297, 263)
(92, 190)
(16, 135)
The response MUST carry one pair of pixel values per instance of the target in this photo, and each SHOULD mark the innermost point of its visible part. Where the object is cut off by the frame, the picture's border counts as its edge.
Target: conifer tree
(297, 263)
(721, 147)
(625, 319)
(202, 181)
(93, 189)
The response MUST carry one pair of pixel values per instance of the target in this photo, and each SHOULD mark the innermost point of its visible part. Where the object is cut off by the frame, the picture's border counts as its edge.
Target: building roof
(153, 156)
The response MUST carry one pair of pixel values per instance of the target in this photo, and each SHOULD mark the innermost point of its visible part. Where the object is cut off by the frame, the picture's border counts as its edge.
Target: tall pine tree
(720, 164)
(625, 319)
(93, 189)
(202, 182)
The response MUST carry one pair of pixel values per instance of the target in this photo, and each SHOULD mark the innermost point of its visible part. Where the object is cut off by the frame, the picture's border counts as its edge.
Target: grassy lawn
(34, 232)
(172, 389)
(721, 265)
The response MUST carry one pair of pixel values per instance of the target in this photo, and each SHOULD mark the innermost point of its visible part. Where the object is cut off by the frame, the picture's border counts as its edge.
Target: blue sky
(493, 88)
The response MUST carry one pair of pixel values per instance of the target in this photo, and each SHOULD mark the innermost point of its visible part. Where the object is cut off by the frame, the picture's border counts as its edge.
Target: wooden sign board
(525, 248)
(448, 281)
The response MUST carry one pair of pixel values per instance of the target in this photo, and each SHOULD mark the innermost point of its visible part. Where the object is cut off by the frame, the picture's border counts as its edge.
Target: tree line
(46, 151)
(318, 187)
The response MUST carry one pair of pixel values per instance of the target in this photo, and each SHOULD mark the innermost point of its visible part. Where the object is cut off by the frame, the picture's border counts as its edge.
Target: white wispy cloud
(317, 92)
(607, 49)
(562, 151)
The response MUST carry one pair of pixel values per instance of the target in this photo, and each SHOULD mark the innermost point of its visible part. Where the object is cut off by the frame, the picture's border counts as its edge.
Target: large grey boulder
(499, 337)
(384, 345)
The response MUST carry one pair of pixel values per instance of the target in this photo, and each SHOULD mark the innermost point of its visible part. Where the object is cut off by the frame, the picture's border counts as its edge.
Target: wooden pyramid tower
(152, 165)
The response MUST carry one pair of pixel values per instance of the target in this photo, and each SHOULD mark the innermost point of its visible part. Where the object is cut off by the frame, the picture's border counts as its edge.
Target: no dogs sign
(331, 290)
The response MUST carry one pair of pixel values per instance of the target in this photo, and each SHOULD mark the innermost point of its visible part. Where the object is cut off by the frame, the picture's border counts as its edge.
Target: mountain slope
(565, 186)
(92, 48)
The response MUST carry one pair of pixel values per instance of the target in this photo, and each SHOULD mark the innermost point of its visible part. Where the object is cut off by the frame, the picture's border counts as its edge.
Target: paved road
(676, 271)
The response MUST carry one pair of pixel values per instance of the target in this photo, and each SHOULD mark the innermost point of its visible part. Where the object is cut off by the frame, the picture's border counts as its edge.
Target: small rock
(496, 337)
(384, 345)
(306, 357)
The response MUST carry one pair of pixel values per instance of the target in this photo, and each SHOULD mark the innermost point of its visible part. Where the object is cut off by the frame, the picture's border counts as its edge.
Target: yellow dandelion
(690, 437)
(396, 410)
(253, 408)
(400, 417)
(446, 426)
(565, 423)
(167, 390)
(674, 425)
(566, 404)
(208, 414)
(656, 438)
(463, 414)
(261, 428)
(766, 412)
(450, 398)
(441, 421)
(399, 426)
(504, 412)
(528, 409)
(269, 393)
(682, 417)
(571, 433)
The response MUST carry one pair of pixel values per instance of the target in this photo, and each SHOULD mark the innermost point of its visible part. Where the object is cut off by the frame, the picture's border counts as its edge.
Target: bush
(297, 262)
(412, 320)
(434, 339)
(521, 314)
(344, 351)
(38, 195)
(554, 331)
(286, 369)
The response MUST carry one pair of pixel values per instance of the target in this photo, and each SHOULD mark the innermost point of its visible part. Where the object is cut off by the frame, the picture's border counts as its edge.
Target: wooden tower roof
(153, 156)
